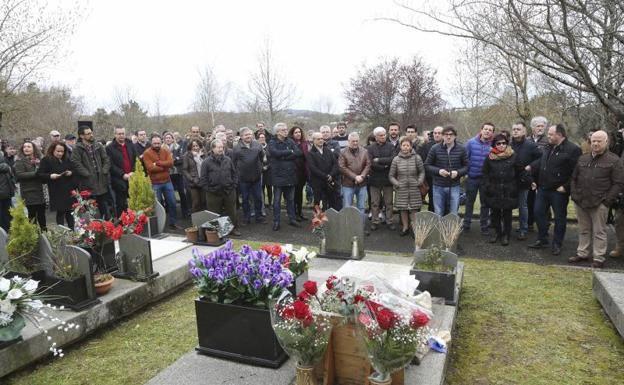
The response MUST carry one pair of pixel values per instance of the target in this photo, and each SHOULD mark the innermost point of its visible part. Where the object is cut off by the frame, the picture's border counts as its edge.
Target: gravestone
(135, 258)
(201, 217)
(434, 234)
(4, 255)
(45, 254)
(161, 216)
(344, 234)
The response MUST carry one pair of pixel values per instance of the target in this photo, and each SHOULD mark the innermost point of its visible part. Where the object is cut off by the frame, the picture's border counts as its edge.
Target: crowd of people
(393, 171)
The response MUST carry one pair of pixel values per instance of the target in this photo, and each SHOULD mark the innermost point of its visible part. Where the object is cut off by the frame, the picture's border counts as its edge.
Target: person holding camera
(57, 171)
(324, 173)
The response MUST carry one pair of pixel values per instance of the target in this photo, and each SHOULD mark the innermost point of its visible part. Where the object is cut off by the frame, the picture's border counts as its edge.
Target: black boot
(495, 238)
(505, 240)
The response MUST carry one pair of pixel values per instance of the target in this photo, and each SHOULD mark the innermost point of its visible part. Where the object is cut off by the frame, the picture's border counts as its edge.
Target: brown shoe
(615, 253)
(597, 264)
(577, 258)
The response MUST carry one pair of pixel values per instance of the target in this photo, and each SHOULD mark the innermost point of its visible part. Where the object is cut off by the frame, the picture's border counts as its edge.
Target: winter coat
(31, 186)
(60, 189)
(113, 150)
(218, 175)
(384, 153)
(300, 163)
(554, 168)
(248, 161)
(189, 170)
(597, 180)
(541, 141)
(353, 163)
(321, 166)
(455, 160)
(476, 151)
(282, 154)
(90, 176)
(7, 182)
(407, 172)
(500, 182)
(177, 155)
(157, 164)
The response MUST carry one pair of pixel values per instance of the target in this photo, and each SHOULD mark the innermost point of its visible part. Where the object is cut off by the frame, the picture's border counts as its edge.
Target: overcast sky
(155, 48)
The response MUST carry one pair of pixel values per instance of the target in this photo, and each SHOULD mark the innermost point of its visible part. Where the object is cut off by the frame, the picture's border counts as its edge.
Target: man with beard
(92, 167)
(394, 129)
(342, 136)
(158, 161)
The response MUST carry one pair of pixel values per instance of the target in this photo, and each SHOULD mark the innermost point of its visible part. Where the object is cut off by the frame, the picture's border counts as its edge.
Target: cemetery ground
(524, 317)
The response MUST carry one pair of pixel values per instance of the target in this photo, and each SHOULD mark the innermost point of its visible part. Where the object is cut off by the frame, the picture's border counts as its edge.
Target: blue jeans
(359, 192)
(166, 190)
(289, 195)
(251, 190)
(473, 186)
(446, 199)
(544, 200)
(523, 210)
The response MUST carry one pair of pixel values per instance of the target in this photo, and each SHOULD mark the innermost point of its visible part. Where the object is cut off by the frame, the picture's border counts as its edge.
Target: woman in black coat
(297, 135)
(57, 171)
(501, 174)
(31, 186)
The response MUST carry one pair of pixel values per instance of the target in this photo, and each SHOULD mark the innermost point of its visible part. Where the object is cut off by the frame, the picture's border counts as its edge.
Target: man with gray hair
(248, 158)
(282, 153)
(540, 139)
(331, 144)
(380, 154)
(354, 166)
(597, 180)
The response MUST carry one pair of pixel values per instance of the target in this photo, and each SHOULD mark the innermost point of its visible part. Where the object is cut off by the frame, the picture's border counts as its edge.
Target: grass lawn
(518, 323)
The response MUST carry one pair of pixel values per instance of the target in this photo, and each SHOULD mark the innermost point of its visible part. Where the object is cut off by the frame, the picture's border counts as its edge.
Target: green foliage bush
(141, 195)
(23, 240)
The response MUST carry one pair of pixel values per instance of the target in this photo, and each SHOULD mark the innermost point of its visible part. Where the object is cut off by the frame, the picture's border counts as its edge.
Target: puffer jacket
(500, 182)
(283, 154)
(555, 167)
(218, 174)
(476, 151)
(31, 185)
(353, 163)
(7, 182)
(407, 172)
(597, 180)
(384, 153)
(454, 160)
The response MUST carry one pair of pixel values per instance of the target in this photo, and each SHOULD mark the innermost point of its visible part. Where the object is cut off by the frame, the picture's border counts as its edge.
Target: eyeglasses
(501, 143)
(449, 134)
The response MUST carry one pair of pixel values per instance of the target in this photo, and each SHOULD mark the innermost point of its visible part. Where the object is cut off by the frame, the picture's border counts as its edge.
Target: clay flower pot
(191, 234)
(104, 286)
(212, 236)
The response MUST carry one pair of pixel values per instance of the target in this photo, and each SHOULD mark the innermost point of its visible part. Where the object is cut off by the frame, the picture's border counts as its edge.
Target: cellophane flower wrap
(298, 260)
(342, 296)
(392, 325)
(20, 302)
(301, 325)
(245, 276)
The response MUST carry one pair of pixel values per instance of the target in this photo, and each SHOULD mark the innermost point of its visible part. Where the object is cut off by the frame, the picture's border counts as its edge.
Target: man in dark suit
(122, 156)
(324, 173)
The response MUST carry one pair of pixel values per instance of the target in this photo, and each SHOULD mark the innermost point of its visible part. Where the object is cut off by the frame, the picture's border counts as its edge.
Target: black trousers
(121, 201)
(299, 198)
(103, 203)
(62, 216)
(5, 215)
(501, 221)
(38, 213)
(329, 198)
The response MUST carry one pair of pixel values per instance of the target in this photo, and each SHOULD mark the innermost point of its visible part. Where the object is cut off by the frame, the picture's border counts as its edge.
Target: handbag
(424, 187)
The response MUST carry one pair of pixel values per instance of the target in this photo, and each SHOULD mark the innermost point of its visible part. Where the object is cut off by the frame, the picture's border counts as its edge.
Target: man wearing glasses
(447, 162)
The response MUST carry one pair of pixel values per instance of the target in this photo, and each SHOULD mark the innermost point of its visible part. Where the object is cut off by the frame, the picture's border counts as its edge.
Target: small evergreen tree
(23, 240)
(141, 195)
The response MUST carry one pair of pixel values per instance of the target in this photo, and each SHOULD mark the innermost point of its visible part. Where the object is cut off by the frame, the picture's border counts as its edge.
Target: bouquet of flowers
(297, 261)
(301, 325)
(392, 326)
(246, 276)
(318, 222)
(342, 297)
(19, 303)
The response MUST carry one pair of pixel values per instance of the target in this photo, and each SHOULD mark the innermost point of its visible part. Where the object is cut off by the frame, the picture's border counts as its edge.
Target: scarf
(496, 154)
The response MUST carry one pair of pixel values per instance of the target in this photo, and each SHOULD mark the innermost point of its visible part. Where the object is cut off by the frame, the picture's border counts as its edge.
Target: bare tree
(268, 85)
(392, 91)
(578, 43)
(210, 94)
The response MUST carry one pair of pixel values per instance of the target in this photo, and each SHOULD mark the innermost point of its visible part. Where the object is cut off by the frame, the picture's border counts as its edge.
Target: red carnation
(303, 296)
(95, 226)
(419, 319)
(116, 233)
(138, 229)
(386, 319)
(288, 312)
(108, 228)
(310, 287)
(330, 282)
(142, 219)
(302, 310)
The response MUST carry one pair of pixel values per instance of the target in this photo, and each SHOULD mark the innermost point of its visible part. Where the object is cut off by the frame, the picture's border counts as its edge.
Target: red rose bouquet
(392, 326)
(301, 325)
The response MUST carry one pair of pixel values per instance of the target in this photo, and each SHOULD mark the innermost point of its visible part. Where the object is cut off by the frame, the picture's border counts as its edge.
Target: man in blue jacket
(477, 149)
(447, 163)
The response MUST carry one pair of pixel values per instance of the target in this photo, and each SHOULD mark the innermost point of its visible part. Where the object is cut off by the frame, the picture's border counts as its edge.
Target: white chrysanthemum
(5, 285)
(30, 286)
(7, 307)
(15, 294)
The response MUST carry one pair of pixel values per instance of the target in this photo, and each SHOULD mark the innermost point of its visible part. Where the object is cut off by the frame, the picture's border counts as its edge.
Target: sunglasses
(501, 143)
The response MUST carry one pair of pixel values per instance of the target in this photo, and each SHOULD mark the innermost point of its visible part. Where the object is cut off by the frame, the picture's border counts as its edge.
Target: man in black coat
(526, 153)
(324, 173)
(554, 172)
(282, 152)
(248, 158)
(381, 153)
(122, 155)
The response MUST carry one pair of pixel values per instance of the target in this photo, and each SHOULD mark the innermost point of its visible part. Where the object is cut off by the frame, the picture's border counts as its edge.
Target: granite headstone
(344, 234)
